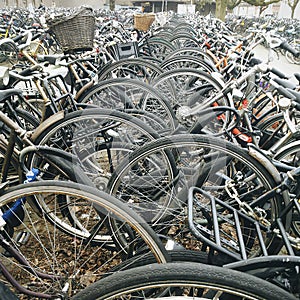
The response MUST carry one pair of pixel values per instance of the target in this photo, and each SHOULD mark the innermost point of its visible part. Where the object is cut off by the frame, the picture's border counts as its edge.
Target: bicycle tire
(181, 85)
(289, 154)
(152, 120)
(156, 47)
(8, 52)
(31, 122)
(292, 58)
(182, 281)
(182, 25)
(37, 48)
(125, 93)
(200, 53)
(93, 114)
(184, 39)
(175, 256)
(135, 67)
(187, 61)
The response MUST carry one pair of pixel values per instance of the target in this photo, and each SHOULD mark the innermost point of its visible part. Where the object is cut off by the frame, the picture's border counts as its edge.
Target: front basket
(143, 21)
(75, 32)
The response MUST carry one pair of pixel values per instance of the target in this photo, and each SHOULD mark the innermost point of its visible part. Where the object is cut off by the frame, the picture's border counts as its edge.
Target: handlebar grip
(296, 105)
(278, 73)
(297, 76)
(36, 36)
(28, 71)
(254, 61)
(25, 72)
(285, 46)
(296, 94)
(17, 38)
(284, 92)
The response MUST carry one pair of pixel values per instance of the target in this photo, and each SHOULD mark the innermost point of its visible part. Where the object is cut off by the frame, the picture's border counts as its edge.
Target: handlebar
(28, 34)
(31, 69)
(26, 74)
(255, 61)
(52, 59)
(278, 73)
(285, 46)
(286, 93)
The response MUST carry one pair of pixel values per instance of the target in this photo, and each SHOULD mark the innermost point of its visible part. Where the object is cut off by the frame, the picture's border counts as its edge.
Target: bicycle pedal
(22, 237)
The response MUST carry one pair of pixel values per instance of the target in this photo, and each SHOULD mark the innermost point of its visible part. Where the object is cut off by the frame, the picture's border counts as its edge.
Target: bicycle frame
(18, 134)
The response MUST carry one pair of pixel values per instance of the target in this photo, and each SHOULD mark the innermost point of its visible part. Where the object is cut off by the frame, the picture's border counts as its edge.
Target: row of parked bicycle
(240, 24)
(141, 164)
(287, 29)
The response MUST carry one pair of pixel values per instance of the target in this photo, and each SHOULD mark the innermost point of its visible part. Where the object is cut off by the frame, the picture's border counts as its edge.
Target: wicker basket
(143, 21)
(75, 32)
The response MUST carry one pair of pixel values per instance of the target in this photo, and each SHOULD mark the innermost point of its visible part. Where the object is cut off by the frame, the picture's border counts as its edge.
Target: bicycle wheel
(182, 281)
(26, 119)
(17, 109)
(186, 86)
(124, 93)
(175, 256)
(275, 128)
(188, 61)
(156, 47)
(100, 139)
(184, 40)
(293, 59)
(190, 51)
(156, 178)
(290, 155)
(8, 52)
(136, 68)
(37, 48)
(186, 28)
(45, 260)
(152, 120)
